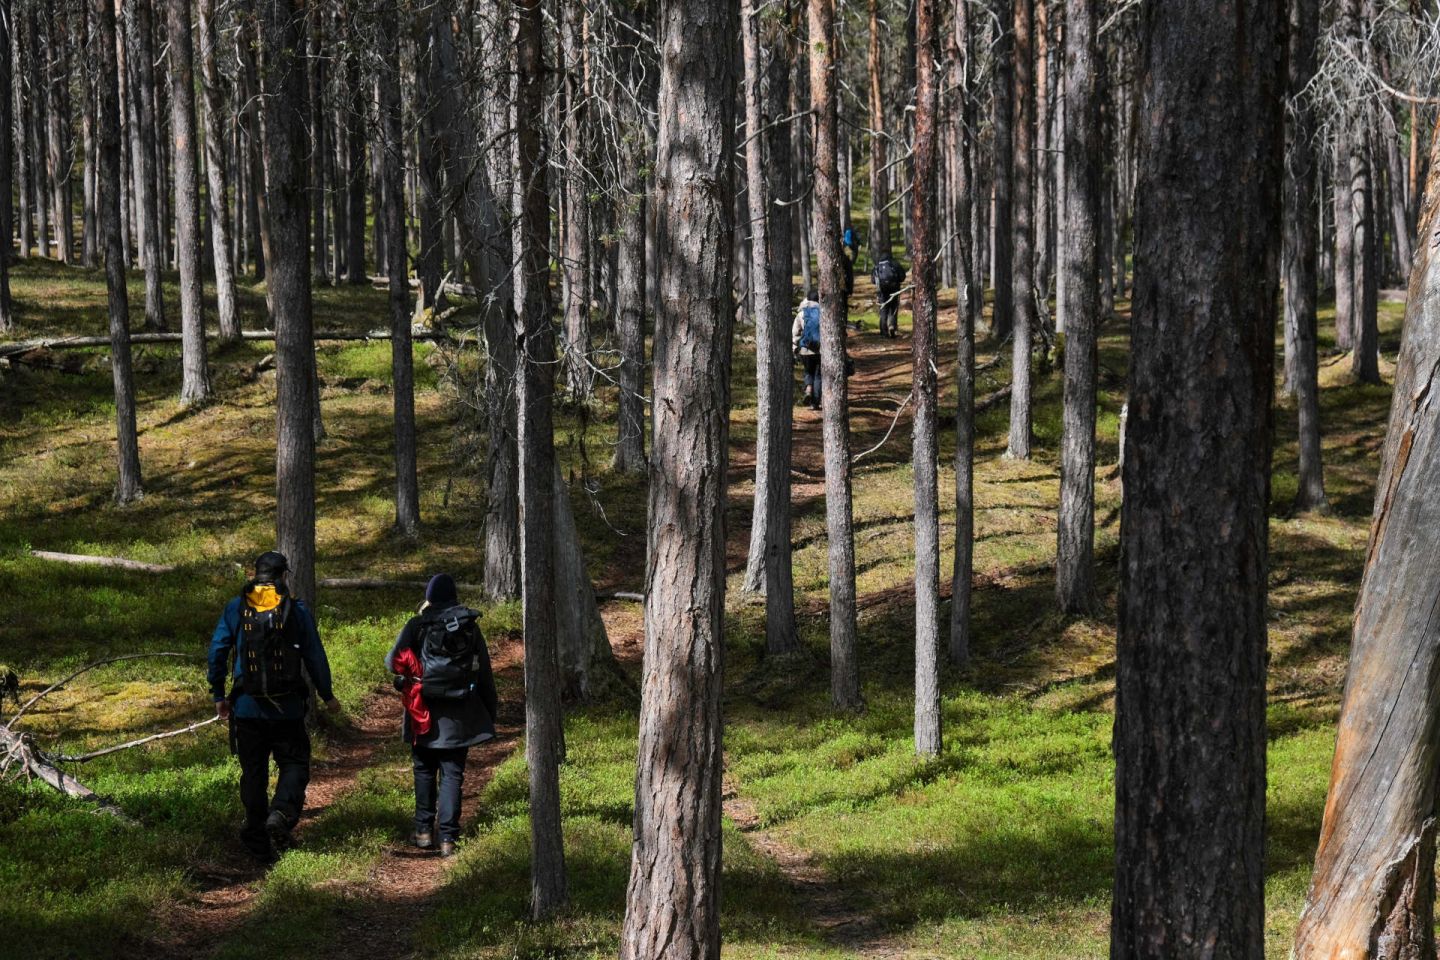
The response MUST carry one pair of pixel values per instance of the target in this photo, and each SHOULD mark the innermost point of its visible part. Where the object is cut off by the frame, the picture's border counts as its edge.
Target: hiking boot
(278, 830)
(422, 839)
(447, 848)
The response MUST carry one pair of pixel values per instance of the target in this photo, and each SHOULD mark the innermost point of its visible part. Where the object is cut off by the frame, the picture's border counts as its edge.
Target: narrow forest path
(841, 923)
(403, 878)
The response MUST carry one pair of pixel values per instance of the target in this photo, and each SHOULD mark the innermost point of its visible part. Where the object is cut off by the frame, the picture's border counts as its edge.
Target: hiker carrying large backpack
(443, 673)
(805, 339)
(889, 277)
(272, 636)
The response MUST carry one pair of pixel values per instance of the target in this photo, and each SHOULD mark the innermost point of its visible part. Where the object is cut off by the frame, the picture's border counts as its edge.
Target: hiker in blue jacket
(271, 637)
(805, 340)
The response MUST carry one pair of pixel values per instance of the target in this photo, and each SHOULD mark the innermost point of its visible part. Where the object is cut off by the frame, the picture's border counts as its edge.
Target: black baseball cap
(272, 563)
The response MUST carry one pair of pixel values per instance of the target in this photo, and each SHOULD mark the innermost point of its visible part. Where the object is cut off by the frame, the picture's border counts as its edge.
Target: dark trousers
(448, 767)
(256, 741)
(889, 312)
(811, 363)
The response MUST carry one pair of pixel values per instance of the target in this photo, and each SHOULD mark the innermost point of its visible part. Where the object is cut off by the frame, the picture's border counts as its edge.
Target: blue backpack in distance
(810, 332)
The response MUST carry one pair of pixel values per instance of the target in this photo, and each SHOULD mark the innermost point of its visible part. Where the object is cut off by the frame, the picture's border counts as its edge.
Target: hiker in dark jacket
(272, 636)
(442, 654)
(889, 277)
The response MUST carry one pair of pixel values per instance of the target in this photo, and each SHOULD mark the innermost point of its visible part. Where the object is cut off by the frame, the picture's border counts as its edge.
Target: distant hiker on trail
(889, 277)
(272, 636)
(805, 338)
(443, 673)
(850, 241)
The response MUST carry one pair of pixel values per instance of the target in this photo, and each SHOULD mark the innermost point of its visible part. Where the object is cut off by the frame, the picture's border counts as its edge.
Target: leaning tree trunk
(769, 172)
(925, 441)
(282, 37)
(1189, 737)
(673, 898)
(216, 174)
(402, 361)
(1373, 890)
(1022, 238)
(195, 371)
(839, 520)
(140, 54)
(535, 384)
(970, 296)
(1075, 541)
(127, 437)
(1301, 237)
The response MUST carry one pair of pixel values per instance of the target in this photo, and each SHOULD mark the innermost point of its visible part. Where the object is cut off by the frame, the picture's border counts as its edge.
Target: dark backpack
(810, 332)
(450, 647)
(889, 275)
(269, 652)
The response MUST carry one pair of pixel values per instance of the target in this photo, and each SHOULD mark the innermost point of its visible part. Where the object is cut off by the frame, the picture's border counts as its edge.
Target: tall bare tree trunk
(1364, 358)
(1189, 738)
(7, 218)
(319, 148)
(355, 183)
(402, 362)
(1002, 310)
(1301, 238)
(1023, 235)
(140, 54)
(535, 382)
(39, 139)
(60, 161)
(128, 488)
(970, 297)
(588, 669)
(216, 174)
(673, 898)
(20, 104)
(1075, 543)
(575, 257)
(195, 371)
(430, 263)
(925, 441)
(89, 223)
(879, 175)
(839, 519)
(282, 39)
(1346, 307)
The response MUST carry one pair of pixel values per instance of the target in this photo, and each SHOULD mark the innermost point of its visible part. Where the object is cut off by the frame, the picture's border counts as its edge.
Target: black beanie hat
(441, 590)
(270, 565)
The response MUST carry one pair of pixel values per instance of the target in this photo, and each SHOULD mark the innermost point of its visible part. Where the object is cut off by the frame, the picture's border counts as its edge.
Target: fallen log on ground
(90, 560)
(21, 347)
(17, 748)
(365, 583)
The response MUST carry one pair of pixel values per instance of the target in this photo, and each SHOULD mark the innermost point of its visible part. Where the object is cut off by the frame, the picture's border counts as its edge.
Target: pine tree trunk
(59, 161)
(1044, 175)
(839, 519)
(39, 137)
(257, 209)
(1189, 735)
(879, 192)
(319, 147)
(282, 39)
(1364, 358)
(1002, 311)
(768, 54)
(7, 225)
(535, 386)
(402, 364)
(673, 898)
(1301, 238)
(1075, 543)
(20, 104)
(970, 297)
(140, 54)
(429, 263)
(195, 372)
(575, 259)
(355, 185)
(1373, 890)
(1345, 298)
(925, 441)
(90, 227)
(216, 174)
(588, 668)
(127, 438)
(1022, 237)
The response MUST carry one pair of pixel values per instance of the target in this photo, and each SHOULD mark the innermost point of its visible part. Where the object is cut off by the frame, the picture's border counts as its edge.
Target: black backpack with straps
(450, 647)
(269, 654)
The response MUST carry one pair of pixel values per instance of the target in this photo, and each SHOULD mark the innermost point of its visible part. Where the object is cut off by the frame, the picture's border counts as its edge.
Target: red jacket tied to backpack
(407, 665)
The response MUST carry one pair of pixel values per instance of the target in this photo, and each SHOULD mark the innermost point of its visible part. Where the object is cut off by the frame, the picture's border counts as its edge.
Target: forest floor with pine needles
(838, 840)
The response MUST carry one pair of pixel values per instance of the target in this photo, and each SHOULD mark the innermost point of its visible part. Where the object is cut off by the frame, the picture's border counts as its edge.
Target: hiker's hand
(222, 709)
(333, 706)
